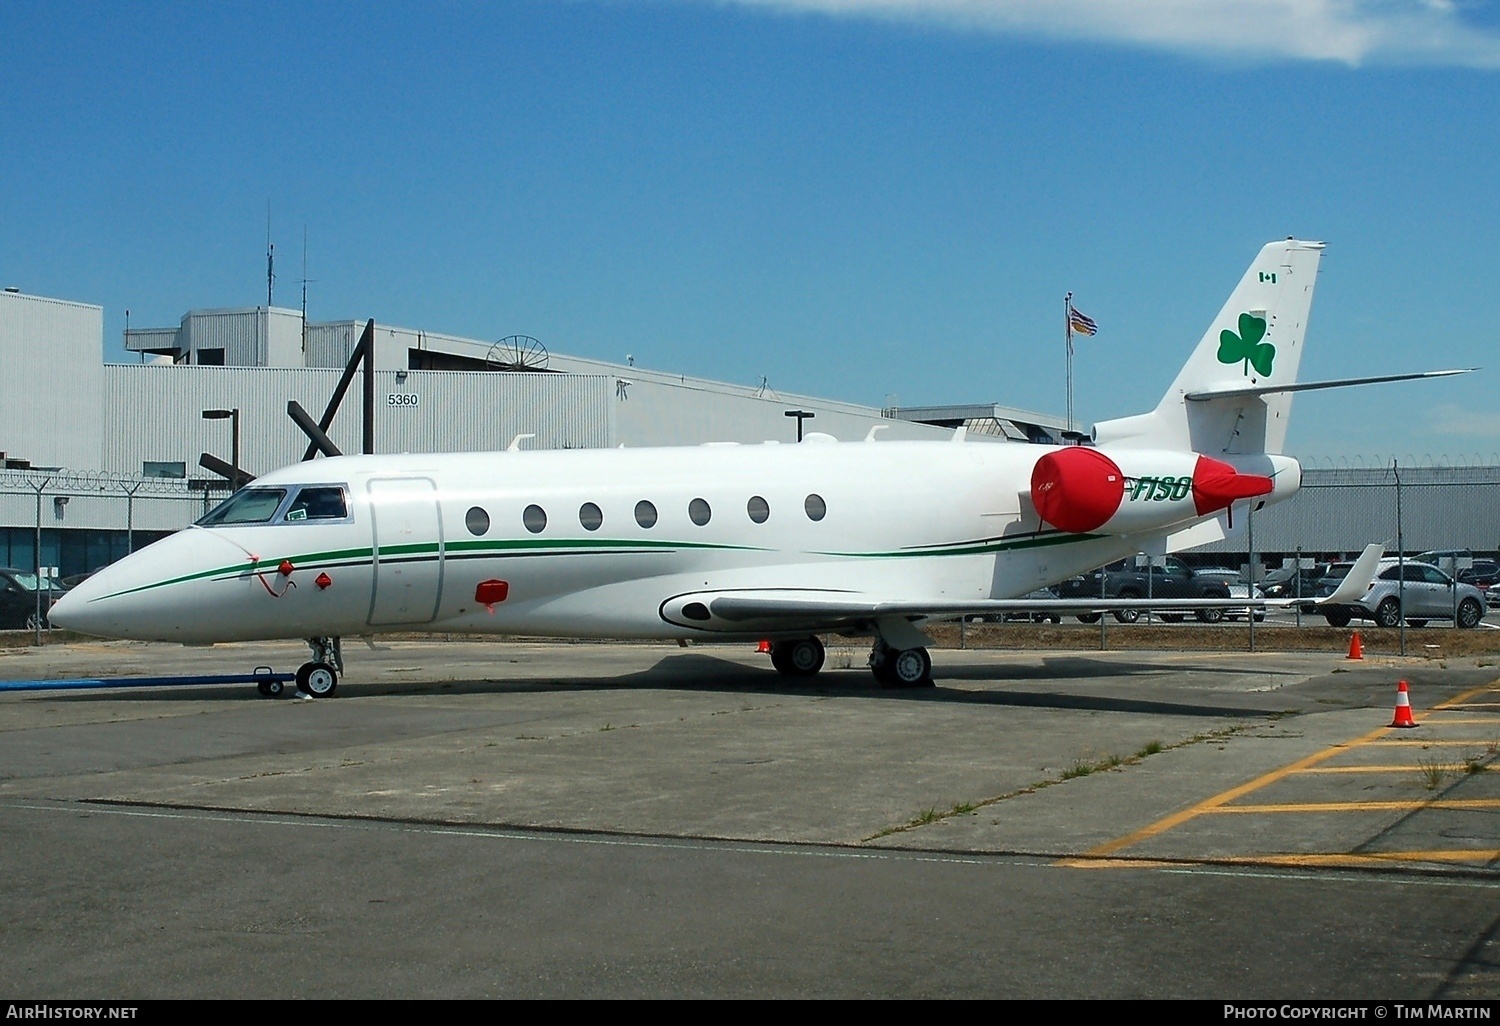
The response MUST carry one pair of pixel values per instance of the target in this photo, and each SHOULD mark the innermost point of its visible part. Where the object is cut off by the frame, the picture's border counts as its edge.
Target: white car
(1243, 591)
(1429, 594)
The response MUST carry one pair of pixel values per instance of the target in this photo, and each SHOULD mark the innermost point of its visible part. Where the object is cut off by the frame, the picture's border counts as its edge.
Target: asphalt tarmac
(547, 820)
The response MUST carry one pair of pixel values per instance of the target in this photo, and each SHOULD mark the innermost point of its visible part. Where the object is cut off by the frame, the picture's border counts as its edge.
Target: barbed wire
(28, 482)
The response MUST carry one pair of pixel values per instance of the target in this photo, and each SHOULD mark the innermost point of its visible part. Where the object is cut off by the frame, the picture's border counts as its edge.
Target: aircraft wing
(835, 609)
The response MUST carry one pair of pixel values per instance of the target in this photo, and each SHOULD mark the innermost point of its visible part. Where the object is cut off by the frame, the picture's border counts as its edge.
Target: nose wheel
(320, 678)
(317, 679)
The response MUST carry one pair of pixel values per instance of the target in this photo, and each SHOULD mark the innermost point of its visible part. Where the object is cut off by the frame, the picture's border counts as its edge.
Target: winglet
(1359, 578)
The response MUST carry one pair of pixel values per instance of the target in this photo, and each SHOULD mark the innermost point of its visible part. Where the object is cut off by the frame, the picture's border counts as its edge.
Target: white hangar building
(97, 458)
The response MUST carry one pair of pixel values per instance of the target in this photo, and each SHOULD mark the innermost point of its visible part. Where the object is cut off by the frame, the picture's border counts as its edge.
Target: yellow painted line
(1118, 863)
(1472, 720)
(1176, 819)
(1438, 803)
(1327, 859)
(1470, 705)
(1210, 804)
(1429, 742)
(1412, 768)
(1375, 858)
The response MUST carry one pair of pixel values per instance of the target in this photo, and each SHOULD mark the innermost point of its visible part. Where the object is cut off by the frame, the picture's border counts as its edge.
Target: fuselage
(596, 543)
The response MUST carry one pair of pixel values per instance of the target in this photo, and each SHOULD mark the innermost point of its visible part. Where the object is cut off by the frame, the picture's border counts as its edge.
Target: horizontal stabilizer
(1310, 386)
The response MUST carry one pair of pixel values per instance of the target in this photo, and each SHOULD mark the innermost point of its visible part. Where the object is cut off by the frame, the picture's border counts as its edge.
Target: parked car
(1429, 594)
(1126, 580)
(1294, 582)
(1483, 574)
(18, 603)
(1243, 591)
(1037, 615)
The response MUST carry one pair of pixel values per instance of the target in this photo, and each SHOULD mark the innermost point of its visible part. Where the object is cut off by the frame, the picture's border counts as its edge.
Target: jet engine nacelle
(1082, 490)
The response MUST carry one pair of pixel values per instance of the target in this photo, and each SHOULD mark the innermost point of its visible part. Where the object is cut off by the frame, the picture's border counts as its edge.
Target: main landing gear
(893, 667)
(801, 657)
(900, 668)
(320, 678)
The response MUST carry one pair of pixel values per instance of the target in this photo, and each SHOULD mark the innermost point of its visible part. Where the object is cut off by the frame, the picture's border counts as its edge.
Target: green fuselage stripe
(518, 547)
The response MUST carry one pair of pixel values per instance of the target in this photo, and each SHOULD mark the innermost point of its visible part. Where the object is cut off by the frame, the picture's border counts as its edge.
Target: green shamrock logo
(1247, 345)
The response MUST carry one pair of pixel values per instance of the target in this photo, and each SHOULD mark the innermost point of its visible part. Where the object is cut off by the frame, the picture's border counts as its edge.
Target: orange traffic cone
(1356, 648)
(764, 646)
(1403, 707)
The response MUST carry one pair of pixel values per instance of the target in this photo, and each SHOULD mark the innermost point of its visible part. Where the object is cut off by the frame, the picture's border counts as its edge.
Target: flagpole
(1068, 330)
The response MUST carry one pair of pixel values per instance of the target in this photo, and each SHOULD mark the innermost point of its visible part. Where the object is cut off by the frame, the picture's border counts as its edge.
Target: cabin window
(816, 508)
(759, 509)
(477, 521)
(535, 519)
(699, 512)
(645, 514)
(321, 502)
(590, 516)
(247, 506)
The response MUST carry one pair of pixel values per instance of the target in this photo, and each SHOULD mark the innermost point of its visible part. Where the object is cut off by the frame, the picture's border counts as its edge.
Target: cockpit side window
(247, 506)
(318, 502)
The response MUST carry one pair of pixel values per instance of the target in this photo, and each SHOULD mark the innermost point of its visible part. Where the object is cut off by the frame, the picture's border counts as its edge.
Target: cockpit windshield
(247, 506)
(318, 502)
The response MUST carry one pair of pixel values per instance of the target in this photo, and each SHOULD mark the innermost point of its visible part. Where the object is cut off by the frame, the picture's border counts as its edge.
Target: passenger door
(408, 549)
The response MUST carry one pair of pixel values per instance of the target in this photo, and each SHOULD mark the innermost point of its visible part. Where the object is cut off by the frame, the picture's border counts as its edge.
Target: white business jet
(778, 542)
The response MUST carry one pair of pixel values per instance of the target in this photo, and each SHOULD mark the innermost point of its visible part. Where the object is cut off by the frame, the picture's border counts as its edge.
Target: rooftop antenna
(305, 281)
(270, 257)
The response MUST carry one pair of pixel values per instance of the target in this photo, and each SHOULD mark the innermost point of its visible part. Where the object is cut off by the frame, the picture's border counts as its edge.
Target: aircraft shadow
(695, 672)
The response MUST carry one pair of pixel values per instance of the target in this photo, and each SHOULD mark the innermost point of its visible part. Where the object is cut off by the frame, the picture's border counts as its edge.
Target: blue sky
(852, 198)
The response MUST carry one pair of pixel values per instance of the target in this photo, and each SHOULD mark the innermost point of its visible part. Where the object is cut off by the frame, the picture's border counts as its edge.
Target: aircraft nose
(76, 610)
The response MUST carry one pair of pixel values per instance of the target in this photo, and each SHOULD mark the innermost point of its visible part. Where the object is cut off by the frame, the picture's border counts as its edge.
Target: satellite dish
(516, 353)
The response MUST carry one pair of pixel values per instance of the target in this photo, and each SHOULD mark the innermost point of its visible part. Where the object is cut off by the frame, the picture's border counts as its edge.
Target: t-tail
(1224, 400)
(1172, 478)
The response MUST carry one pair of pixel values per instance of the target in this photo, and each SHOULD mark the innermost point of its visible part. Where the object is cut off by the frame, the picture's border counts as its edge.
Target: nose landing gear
(320, 678)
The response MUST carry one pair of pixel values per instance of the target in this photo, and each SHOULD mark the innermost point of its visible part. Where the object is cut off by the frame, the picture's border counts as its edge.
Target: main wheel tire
(1212, 615)
(1388, 613)
(805, 657)
(1336, 618)
(912, 668)
(1469, 614)
(779, 658)
(318, 680)
(1089, 617)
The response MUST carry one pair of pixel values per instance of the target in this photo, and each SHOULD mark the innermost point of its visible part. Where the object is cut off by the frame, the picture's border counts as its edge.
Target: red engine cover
(1076, 489)
(1217, 485)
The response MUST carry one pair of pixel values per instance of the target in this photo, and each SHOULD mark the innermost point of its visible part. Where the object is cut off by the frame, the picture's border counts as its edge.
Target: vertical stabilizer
(1255, 341)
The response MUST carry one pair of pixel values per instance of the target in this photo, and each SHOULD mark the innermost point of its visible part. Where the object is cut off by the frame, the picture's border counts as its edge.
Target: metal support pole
(37, 625)
(1298, 579)
(1250, 569)
(1150, 580)
(1103, 616)
(369, 383)
(1400, 560)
